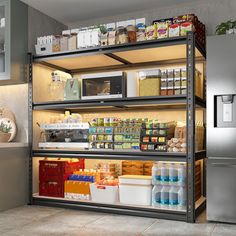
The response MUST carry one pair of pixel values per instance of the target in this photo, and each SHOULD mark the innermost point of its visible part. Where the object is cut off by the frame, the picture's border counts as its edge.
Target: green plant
(225, 26)
(4, 128)
(103, 29)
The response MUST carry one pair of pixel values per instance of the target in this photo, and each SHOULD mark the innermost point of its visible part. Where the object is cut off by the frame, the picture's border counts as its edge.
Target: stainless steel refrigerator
(221, 128)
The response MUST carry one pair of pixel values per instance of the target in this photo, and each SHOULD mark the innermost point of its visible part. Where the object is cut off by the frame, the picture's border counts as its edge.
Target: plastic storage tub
(104, 193)
(135, 189)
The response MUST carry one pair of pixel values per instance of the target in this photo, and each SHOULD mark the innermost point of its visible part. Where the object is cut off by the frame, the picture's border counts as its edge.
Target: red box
(53, 170)
(51, 189)
(52, 175)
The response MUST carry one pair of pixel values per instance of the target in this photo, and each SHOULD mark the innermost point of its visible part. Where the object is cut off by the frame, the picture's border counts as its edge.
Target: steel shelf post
(190, 119)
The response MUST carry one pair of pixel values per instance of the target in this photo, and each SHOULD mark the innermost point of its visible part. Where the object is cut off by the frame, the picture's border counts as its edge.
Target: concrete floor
(36, 220)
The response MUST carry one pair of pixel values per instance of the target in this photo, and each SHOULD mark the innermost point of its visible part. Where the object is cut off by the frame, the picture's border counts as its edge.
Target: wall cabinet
(13, 42)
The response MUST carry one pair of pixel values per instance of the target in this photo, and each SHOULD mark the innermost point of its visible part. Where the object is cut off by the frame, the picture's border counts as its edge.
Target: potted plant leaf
(4, 132)
(228, 27)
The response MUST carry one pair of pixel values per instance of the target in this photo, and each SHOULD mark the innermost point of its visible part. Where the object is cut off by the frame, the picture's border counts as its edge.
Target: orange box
(78, 187)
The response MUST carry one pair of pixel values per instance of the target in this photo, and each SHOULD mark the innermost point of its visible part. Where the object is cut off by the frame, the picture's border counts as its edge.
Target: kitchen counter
(13, 145)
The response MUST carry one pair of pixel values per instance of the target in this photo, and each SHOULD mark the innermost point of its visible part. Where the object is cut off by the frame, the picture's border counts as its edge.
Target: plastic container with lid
(149, 82)
(135, 189)
(104, 193)
(131, 31)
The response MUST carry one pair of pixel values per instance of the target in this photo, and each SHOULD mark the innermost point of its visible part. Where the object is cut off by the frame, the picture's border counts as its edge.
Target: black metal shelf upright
(188, 102)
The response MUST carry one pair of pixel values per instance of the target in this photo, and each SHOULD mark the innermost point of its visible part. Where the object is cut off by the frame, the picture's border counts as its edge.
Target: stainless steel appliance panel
(221, 80)
(221, 189)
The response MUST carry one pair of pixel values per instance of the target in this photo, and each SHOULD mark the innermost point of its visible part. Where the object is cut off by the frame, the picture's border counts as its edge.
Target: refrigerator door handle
(223, 165)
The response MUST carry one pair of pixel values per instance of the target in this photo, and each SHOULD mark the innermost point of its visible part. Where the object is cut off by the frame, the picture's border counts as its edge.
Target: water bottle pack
(169, 185)
(165, 196)
(169, 174)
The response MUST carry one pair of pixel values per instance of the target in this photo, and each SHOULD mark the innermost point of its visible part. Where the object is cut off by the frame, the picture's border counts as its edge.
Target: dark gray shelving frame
(188, 102)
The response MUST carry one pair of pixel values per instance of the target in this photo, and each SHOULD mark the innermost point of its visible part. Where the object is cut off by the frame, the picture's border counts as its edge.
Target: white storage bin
(135, 190)
(104, 193)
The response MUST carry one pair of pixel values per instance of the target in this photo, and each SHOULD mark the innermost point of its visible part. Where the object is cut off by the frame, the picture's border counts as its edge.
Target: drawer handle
(223, 165)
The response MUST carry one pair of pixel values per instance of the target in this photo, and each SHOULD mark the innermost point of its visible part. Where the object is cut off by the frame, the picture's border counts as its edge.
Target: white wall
(210, 12)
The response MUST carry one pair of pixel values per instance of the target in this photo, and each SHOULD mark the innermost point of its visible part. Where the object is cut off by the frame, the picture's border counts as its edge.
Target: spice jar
(122, 36)
(131, 30)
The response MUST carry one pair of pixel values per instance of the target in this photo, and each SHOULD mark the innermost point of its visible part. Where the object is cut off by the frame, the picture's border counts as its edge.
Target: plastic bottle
(164, 173)
(182, 198)
(173, 173)
(182, 174)
(173, 197)
(155, 173)
(156, 195)
(165, 196)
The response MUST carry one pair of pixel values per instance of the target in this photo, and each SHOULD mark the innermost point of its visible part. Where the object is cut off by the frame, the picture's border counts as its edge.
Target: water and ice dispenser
(225, 111)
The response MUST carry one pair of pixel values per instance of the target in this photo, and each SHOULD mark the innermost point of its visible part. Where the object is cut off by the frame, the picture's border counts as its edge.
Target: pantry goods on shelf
(121, 32)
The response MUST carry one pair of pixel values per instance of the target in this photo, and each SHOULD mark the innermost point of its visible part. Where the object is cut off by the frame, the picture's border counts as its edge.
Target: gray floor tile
(175, 228)
(44, 229)
(120, 225)
(224, 230)
(10, 222)
(74, 217)
(33, 212)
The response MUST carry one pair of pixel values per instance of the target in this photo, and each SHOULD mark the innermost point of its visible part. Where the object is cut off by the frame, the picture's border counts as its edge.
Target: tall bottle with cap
(182, 174)
(155, 173)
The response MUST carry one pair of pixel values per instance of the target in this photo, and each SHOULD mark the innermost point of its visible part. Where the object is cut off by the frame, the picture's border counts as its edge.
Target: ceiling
(70, 11)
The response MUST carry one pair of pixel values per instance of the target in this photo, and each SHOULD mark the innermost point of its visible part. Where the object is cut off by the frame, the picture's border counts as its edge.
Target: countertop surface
(13, 145)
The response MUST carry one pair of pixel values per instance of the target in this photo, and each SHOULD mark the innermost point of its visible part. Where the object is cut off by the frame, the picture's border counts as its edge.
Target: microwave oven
(104, 85)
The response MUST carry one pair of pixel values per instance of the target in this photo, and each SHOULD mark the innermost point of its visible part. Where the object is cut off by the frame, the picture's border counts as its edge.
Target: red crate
(51, 189)
(58, 170)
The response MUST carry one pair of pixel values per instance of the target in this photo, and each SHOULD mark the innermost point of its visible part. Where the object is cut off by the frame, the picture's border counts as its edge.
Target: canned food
(106, 121)
(100, 121)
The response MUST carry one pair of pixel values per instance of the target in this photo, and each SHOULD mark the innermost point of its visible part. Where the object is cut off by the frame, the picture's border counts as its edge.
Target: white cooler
(135, 189)
(104, 193)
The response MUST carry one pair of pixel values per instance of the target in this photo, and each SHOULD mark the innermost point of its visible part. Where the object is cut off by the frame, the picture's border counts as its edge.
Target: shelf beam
(113, 154)
(118, 209)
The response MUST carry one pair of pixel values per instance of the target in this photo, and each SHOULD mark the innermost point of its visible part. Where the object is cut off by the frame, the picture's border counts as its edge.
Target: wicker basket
(4, 137)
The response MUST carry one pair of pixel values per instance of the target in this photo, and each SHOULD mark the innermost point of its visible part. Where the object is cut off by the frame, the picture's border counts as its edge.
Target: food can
(106, 121)
(100, 121)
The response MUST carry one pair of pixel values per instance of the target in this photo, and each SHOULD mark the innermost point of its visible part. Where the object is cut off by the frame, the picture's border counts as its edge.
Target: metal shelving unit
(181, 50)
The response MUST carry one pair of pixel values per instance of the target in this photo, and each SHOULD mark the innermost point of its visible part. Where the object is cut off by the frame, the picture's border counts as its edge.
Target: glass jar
(72, 42)
(122, 36)
(56, 47)
(56, 88)
(131, 30)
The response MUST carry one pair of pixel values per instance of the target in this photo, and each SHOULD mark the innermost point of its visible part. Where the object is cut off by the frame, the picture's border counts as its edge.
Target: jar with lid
(72, 41)
(56, 47)
(56, 88)
(64, 40)
(131, 31)
(122, 36)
